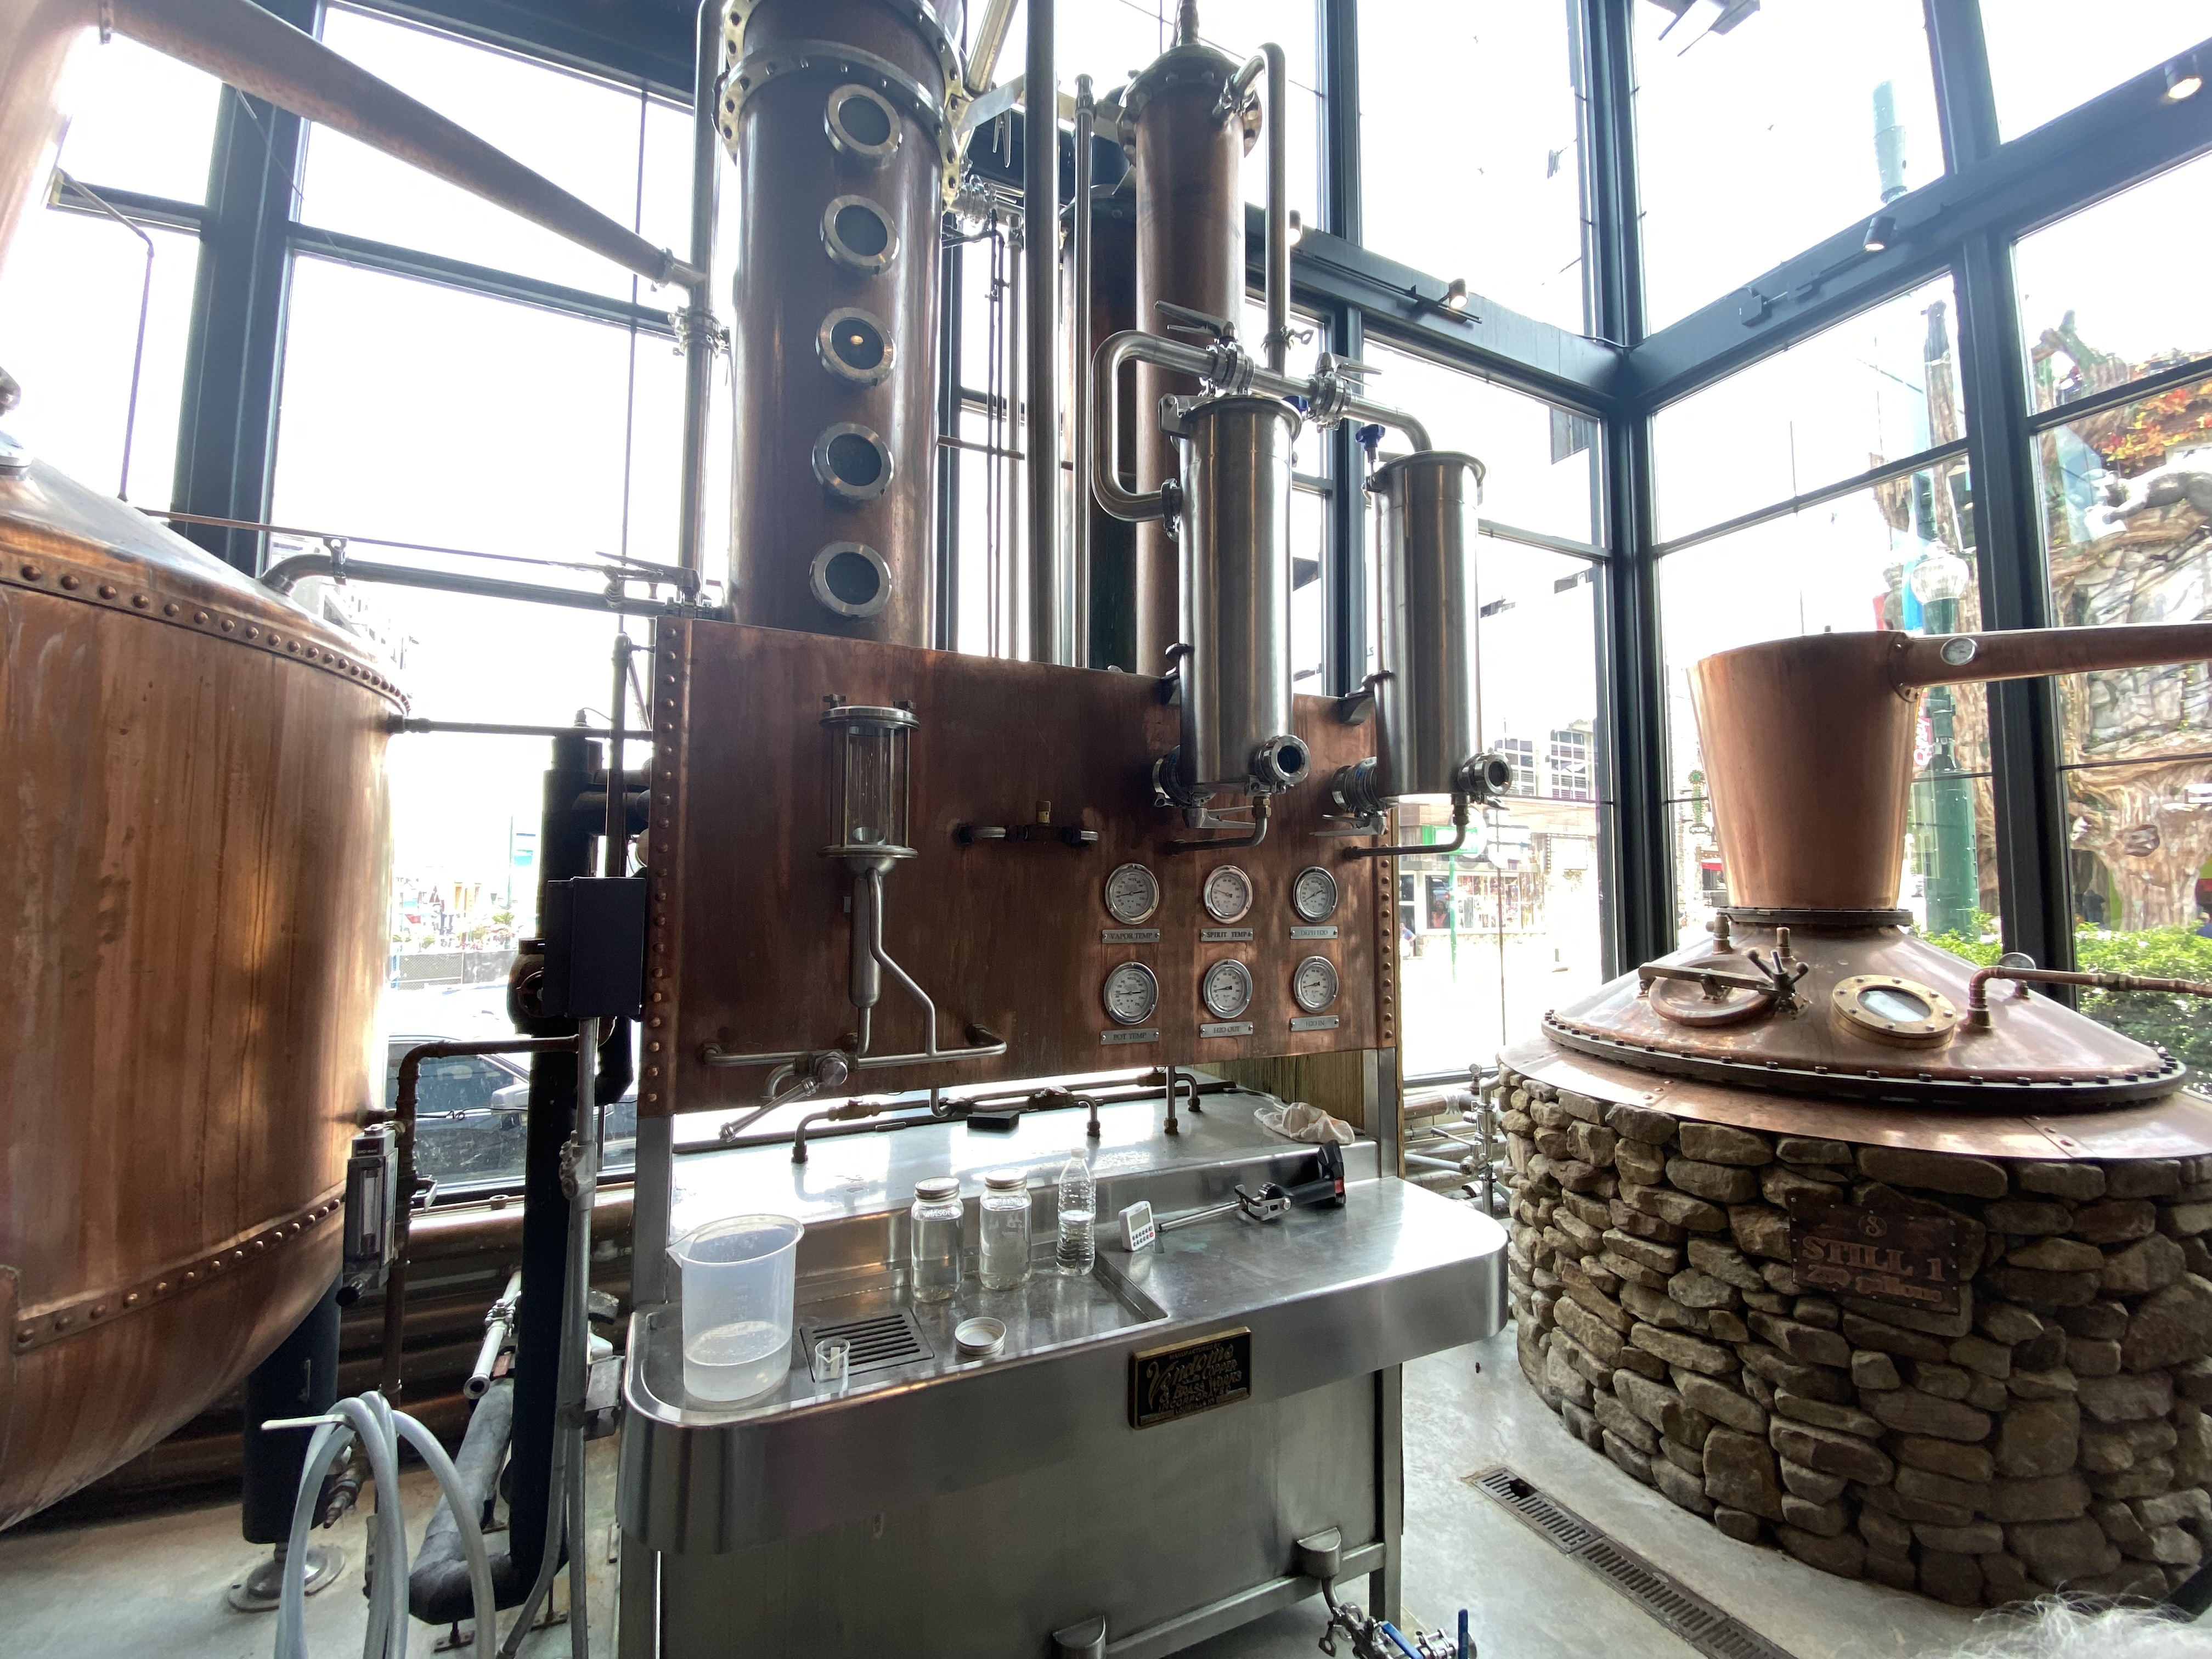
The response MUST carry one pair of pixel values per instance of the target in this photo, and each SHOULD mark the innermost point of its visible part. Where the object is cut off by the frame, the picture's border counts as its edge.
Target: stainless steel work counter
(1328, 1295)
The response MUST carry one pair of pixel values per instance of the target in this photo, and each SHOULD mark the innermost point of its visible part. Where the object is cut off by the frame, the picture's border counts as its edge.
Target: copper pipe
(258, 53)
(402, 1116)
(1078, 391)
(1808, 743)
(1048, 584)
(1978, 988)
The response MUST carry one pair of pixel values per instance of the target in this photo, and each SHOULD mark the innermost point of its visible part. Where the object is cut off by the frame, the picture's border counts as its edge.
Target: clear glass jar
(1002, 1247)
(934, 1239)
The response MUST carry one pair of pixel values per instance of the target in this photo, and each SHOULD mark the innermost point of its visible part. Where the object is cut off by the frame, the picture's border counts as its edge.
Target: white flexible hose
(379, 1429)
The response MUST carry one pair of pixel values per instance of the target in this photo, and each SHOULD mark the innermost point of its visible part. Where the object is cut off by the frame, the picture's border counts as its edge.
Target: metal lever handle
(1184, 319)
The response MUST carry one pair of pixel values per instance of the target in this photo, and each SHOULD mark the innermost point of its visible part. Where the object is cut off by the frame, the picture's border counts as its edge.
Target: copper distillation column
(1190, 253)
(839, 114)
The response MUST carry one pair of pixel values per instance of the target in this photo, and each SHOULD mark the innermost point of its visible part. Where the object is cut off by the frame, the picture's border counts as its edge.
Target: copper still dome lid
(1813, 985)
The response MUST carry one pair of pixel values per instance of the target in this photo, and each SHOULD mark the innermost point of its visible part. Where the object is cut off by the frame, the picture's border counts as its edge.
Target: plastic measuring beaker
(738, 1276)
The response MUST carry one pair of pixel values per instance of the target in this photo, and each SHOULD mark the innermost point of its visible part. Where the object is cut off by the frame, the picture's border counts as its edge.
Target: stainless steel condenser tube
(1428, 688)
(1078, 400)
(1047, 626)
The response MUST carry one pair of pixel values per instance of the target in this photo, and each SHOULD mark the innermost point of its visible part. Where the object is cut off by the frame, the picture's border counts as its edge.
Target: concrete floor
(153, 1583)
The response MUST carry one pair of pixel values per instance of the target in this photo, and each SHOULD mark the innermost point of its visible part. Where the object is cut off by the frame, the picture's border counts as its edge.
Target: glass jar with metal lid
(934, 1239)
(1002, 1245)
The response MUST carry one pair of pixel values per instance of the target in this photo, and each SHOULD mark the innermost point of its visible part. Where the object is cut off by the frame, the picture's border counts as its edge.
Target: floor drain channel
(1683, 1611)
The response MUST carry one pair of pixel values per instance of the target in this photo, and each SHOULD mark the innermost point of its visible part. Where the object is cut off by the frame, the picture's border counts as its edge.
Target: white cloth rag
(1299, 1122)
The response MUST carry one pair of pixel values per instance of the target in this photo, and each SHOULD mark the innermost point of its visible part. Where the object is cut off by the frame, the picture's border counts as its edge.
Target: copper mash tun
(1812, 982)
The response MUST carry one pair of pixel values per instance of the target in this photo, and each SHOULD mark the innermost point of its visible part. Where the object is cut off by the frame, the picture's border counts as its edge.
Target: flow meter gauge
(1227, 893)
(1131, 993)
(1133, 893)
(1313, 895)
(1227, 989)
(1313, 985)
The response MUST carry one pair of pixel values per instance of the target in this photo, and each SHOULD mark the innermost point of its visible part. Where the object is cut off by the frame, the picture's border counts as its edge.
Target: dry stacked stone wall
(2051, 1434)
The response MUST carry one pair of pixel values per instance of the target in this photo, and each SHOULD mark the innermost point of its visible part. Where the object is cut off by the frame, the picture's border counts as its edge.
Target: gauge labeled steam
(1313, 895)
(1131, 993)
(1227, 894)
(1313, 984)
(1227, 990)
(1133, 893)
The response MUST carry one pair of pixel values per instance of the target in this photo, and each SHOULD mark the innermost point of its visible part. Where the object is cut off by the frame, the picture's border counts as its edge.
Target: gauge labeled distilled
(1313, 895)
(1227, 894)
(1227, 990)
(1313, 984)
(1133, 893)
(1131, 994)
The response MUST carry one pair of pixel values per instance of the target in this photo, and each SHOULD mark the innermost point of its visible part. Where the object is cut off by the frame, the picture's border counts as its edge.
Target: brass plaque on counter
(1189, 1377)
(1882, 1253)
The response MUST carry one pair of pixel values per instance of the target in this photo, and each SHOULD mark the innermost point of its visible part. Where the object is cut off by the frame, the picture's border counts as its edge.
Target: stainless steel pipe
(1048, 625)
(990, 37)
(699, 330)
(1276, 123)
(1078, 400)
(260, 53)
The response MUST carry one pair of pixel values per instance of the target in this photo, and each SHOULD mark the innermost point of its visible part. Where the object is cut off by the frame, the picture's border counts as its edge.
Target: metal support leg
(1386, 1583)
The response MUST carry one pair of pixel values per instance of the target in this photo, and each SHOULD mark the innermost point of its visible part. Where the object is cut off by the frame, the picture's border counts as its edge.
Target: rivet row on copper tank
(172, 609)
(72, 581)
(140, 602)
(229, 625)
(31, 572)
(107, 590)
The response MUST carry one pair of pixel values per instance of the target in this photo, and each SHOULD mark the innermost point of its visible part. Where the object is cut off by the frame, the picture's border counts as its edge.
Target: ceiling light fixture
(1880, 233)
(1455, 294)
(1297, 228)
(2183, 79)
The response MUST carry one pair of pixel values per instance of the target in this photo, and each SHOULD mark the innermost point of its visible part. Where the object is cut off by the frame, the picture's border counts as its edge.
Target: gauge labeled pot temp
(1131, 993)
(1313, 895)
(1133, 893)
(1313, 984)
(1227, 990)
(1227, 894)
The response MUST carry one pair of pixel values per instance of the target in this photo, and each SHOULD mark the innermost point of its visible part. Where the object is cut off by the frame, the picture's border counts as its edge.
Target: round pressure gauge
(1227, 990)
(1313, 984)
(1133, 893)
(1313, 895)
(1227, 893)
(1131, 993)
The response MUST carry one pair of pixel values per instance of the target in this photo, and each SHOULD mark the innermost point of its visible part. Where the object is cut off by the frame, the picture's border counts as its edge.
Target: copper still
(196, 901)
(1812, 982)
(840, 115)
(1190, 253)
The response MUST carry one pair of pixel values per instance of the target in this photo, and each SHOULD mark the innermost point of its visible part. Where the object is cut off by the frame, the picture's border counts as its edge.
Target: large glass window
(1877, 388)
(1760, 129)
(78, 281)
(1477, 171)
(1510, 924)
(2092, 318)
(2043, 61)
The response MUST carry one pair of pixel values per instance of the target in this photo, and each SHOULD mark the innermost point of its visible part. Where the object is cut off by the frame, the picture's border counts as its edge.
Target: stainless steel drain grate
(1683, 1611)
(878, 1342)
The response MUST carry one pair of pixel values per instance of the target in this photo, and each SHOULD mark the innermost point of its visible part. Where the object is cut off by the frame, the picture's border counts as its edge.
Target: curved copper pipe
(1978, 988)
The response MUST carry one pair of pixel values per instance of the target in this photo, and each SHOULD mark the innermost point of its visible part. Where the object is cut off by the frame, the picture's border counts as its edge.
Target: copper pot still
(1812, 982)
(196, 897)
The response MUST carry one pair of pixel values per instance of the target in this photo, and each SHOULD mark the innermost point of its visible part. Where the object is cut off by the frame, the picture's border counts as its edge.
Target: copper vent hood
(1812, 982)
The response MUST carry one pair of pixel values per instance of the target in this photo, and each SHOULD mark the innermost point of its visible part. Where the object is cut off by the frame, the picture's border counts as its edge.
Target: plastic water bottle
(1078, 1214)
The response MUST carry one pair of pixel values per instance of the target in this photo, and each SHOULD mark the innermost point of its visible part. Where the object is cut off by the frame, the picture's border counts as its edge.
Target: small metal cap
(937, 1187)
(1006, 1181)
(978, 1336)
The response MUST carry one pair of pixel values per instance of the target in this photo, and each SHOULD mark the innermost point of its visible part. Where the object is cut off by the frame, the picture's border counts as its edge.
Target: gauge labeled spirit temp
(1131, 993)
(1227, 990)
(1313, 985)
(1313, 895)
(1133, 893)
(1227, 893)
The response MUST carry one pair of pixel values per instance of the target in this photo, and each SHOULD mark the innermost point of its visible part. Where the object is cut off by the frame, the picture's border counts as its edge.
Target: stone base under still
(2051, 1434)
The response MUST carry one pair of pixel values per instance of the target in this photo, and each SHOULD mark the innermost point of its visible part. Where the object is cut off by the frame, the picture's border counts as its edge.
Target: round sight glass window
(1888, 1002)
(851, 578)
(853, 345)
(861, 124)
(858, 234)
(851, 462)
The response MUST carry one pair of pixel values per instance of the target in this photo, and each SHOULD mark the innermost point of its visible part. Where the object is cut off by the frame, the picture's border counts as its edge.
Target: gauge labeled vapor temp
(1131, 993)
(1227, 894)
(1133, 893)
(1313, 895)
(1313, 984)
(1227, 990)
